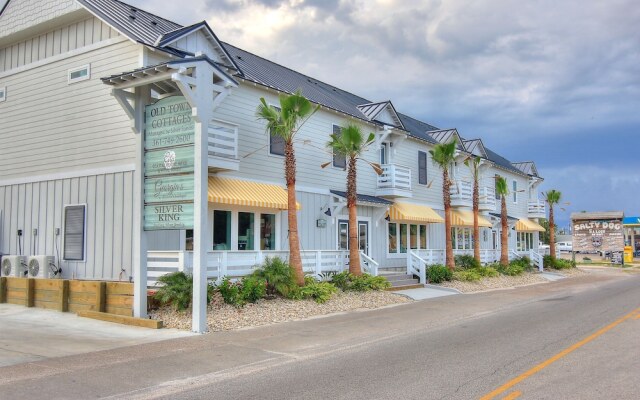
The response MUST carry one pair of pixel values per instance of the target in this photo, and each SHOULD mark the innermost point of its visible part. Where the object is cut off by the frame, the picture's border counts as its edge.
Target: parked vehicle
(564, 246)
(543, 247)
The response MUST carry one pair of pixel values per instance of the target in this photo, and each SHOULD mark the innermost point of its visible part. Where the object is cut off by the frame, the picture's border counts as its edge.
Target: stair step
(391, 270)
(395, 288)
(405, 282)
(398, 277)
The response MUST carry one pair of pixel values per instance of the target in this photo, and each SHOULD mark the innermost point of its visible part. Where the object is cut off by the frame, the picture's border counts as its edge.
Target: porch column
(142, 96)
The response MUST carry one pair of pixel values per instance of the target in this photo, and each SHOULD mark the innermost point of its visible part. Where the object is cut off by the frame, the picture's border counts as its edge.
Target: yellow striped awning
(465, 218)
(405, 212)
(247, 193)
(527, 225)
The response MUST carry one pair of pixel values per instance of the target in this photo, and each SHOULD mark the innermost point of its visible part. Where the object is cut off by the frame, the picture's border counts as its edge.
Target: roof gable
(382, 112)
(475, 147)
(18, 15)
(527, 167)
(196, 38)
(446, 136)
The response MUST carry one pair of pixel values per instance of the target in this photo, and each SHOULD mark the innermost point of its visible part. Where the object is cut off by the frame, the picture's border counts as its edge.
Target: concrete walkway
(427, 292)
(33, 334)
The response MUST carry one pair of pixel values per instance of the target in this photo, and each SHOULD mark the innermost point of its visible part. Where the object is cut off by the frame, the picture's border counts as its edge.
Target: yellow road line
(513, 395)
(558, 356)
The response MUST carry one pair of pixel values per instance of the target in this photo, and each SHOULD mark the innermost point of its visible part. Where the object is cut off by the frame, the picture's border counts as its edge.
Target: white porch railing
(236, 264)
(436, 256)
(368, 264)
(536, 259)
(430, 256)
(417, 266)
(513, 255)
(223, 141)
(537, 209)
(487, 198)
(461, 193)
(395, 177)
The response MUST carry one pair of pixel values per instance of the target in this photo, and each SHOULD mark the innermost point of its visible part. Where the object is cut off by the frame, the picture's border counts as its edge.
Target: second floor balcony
(487, 198)
(223, 147)
(461, 193)
(395, 181)
(537, 209)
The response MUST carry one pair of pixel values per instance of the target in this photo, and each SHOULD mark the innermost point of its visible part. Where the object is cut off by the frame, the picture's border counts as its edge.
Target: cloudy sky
(554, 81)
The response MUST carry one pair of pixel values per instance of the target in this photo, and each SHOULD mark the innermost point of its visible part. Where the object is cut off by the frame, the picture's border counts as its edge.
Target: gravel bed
(224, 317)
(503, 281)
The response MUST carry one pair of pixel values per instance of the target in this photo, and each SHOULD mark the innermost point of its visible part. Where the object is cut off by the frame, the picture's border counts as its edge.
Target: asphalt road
(571, 339)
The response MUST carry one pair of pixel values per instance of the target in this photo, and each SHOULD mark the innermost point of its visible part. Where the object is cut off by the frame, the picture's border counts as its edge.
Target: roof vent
(133, 9)
(131, 17)
(239, 57)
(154, 23)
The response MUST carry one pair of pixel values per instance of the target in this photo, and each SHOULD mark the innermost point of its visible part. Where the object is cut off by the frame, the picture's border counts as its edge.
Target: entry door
(363, 235)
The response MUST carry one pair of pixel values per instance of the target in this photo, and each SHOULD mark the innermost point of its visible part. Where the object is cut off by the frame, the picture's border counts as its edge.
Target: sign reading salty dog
(169, 165)
(594, 236)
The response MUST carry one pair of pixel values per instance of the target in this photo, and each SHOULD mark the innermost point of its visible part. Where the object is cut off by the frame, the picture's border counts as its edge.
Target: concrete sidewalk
(33, 334)
(427, 292)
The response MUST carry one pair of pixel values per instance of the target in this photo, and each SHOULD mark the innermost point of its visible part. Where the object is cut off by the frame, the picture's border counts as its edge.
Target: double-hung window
(402, 237)
(339, 161)
(422, 167)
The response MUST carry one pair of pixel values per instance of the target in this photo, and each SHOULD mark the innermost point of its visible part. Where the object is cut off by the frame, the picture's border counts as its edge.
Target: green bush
(248, 290)
(466, 261)
(278, 275)
(177, 290)
(230, 292)
(513, 269)
(487, 271)
(438, 273)
(559, 263)
(468, 275)
(359, 283)
(321, 292)
(523, 261)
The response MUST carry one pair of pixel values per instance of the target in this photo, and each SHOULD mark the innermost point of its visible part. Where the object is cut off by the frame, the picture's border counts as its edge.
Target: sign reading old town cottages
(169, 165)
(597, 232)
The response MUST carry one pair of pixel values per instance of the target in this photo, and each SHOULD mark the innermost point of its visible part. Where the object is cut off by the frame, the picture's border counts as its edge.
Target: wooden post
(101, 296)
(30, 292)
(63, 300)
(3, 289)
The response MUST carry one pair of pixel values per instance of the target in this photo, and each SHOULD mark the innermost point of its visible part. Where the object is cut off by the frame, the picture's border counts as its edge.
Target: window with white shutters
(74, 232)
(422, 167)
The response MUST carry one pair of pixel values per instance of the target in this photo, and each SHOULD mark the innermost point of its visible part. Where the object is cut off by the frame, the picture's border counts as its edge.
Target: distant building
(632, 233)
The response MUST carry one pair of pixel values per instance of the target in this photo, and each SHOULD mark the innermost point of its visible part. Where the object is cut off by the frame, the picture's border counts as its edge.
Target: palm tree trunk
(294, 241)
(476, 227)
(504, 234)
(352, 197)
(446, 195)
(552, 234)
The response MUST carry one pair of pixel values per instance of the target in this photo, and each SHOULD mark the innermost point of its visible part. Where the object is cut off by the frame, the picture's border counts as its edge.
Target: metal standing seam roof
(148, 28)
(509, 217)
(365, 198)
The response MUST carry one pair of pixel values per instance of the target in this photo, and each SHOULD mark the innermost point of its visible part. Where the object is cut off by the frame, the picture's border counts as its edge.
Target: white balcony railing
(461, 193)
(537, 209)
(487, 198)
(395, 180)
(223, 146)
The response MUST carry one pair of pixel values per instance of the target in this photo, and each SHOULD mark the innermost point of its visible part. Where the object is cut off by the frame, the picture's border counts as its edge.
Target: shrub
(278, 275)
(321, 292)
(558, 264)
(253, 289)
(359, 283)
(177, 290)
(469, 275)
(514, 269)
(230, 292)
(466, 261)
(547, 262)
(487, 271)
(439, 273)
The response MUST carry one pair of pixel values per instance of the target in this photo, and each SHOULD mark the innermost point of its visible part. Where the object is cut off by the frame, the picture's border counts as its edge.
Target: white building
(74, 79)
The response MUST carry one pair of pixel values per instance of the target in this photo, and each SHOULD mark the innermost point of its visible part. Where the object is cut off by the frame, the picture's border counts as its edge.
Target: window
(3, 93)
(276, 143)
(343, 235)
(74, 232)
(267, 232)
(496, 186)
(245, 231)
(339, 161)
(221, 230)
(515, 191)
(462, 238)
(410, 236)
(525, 241)
(79, 74)
(422, 167)
(383, 153)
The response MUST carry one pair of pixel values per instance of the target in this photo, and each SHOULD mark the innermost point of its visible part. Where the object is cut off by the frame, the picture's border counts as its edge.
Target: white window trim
(269, 153)
(64, 229)
(3, 90)
(426, 162)
(465, 230)
(234, 210)
(404, 255)
(514, 187)
(80, 79)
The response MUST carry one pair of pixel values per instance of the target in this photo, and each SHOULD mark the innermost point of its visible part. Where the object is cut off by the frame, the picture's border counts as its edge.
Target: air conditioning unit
(14, 266)
(43, 267)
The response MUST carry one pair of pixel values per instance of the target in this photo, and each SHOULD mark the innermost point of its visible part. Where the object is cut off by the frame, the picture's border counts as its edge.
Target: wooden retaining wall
(68, 295)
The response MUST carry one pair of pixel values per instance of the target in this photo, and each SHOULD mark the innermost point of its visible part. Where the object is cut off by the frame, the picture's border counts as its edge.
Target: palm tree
(351, 143)
(294, 111)
(443, 154)
(502, 190)
(552, 197)
(474, 165)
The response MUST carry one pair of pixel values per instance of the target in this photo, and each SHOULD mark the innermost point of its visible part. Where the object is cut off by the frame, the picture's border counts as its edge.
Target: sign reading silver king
(169, 165)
